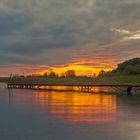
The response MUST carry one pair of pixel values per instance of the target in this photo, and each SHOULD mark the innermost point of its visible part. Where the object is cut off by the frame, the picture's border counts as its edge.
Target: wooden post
(88, 88)
(129, 89)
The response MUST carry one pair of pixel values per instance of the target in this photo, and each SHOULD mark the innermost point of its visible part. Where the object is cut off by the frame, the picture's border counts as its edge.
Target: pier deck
(81, 87)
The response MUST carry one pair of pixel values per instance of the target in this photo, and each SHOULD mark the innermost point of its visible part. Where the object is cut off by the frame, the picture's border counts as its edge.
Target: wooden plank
(91, 85)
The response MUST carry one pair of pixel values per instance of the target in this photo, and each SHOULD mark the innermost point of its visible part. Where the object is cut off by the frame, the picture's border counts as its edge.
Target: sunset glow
(81, 68)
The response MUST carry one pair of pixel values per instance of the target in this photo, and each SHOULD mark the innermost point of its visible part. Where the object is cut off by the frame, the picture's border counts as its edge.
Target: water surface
(45, 115)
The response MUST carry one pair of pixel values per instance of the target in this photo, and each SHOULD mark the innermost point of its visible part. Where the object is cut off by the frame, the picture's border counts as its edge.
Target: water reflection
(72, 107)
(70, 115)
(10, 92)
(74, 88)
(79, 107)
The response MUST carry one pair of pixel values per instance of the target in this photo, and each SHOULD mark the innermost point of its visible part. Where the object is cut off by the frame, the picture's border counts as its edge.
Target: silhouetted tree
(45, 74)
(101, 73)
(70, 73)
(52, 75)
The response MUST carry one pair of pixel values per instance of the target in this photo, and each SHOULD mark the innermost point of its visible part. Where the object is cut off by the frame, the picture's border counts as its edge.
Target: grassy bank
(119, 79)
(75, 80)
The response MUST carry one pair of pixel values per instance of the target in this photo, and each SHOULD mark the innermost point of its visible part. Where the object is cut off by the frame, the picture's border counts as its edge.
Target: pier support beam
(85, 88)
(129, 90)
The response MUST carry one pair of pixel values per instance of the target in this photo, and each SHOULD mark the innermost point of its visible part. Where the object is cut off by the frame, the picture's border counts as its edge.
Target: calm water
(42, 115)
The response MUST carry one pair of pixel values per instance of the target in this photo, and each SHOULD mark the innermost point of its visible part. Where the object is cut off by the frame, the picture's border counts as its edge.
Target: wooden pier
(81, 87)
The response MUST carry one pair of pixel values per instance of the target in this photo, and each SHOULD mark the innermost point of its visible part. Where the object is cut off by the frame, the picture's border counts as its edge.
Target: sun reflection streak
(78, 107)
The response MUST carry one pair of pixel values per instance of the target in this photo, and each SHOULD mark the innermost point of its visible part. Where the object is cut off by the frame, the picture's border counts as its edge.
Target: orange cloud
(82, 67)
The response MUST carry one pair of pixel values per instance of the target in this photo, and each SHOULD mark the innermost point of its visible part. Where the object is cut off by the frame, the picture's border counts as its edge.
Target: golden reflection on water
(74, 88)
(78, 107)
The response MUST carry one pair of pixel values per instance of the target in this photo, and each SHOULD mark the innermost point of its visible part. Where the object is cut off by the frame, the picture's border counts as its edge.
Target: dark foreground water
(42, 115)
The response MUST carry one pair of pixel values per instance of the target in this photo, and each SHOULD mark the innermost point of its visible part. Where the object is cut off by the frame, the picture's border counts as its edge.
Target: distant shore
(74, 80)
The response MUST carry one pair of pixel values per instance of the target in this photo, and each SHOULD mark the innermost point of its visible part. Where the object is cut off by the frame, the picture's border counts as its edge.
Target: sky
(84, 35)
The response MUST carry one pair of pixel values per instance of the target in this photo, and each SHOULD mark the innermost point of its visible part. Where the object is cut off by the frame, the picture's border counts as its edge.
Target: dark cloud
(53, 32)
(120, 10)
(13, 23)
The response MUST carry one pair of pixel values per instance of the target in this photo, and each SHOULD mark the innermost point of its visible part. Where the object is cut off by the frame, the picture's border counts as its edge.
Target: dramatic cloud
(55, 32)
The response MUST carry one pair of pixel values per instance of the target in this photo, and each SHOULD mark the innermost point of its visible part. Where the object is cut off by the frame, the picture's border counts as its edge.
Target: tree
(45, 74)
(52, 75)
(101, 73)
(129, 67)
(132, 70)
(70, 73)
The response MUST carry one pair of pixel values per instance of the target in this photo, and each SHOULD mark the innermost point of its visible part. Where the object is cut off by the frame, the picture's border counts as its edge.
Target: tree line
(52, 74)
